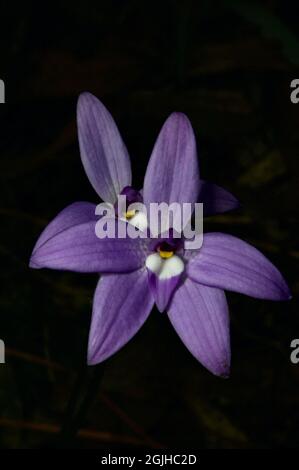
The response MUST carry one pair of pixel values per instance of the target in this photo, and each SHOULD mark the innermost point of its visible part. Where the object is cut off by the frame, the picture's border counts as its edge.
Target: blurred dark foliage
(227, 65)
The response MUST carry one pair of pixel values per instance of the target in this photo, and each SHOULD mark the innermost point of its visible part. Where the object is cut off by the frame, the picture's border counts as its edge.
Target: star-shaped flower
(136, 273)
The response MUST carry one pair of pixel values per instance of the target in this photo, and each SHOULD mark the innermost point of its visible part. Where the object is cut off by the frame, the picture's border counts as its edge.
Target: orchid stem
(88, 379)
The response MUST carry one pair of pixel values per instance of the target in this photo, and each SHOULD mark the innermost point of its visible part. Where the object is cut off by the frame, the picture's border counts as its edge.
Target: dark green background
(227, 65)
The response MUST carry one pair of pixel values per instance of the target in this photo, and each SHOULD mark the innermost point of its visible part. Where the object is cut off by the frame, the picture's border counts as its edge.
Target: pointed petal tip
(283, 292)
(86, 95)
(180, 118)
(92, 360)
(87, 100)
(215, 199)
(232, 203)
(286, 294)
(219, 366)
(33, 264)
(95, 355)
(178, 115)
(222, 371)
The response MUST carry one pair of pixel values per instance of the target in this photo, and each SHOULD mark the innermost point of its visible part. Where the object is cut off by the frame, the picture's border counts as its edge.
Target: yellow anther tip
(166, 254)
(130, 214)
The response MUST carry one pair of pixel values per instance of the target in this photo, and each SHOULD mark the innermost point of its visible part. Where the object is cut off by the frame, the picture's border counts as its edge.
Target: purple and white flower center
(133, 216)
(164, 262)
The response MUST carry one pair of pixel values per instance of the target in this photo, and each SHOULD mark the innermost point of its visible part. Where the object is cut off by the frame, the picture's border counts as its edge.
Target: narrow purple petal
(200, 316)
(79, 249)
(164, 277)
(103, 152)
(172, 174)
(121, 305)
(215, 199)
(75, 214)
(162, 289)
(226, 262)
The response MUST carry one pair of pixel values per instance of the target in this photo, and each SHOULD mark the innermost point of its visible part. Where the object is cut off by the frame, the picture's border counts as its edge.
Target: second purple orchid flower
(137, 273)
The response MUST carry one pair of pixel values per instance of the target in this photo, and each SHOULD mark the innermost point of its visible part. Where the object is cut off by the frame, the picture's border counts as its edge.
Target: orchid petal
(172, 174)
(79, 249)
(200, 316)
(226, 262)
(215, 199)
(164, 276)
(122, 303)
(103, 152)
(74, 214)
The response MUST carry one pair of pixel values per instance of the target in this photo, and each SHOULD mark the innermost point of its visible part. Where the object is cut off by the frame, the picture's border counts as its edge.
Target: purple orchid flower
(138, 272)
(108, 168)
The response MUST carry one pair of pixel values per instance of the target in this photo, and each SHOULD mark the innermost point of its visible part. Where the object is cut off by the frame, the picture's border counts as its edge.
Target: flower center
(132, 196)
(130, 214)
(165, 250)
